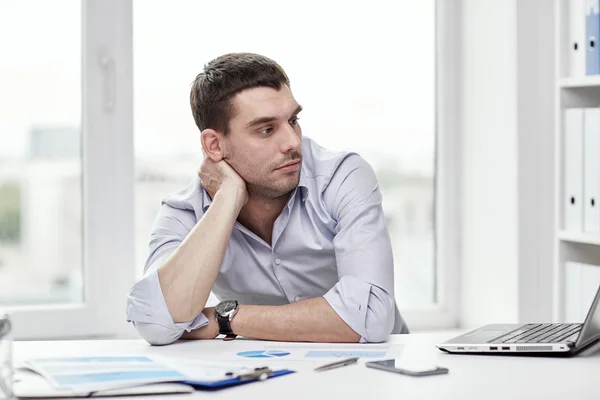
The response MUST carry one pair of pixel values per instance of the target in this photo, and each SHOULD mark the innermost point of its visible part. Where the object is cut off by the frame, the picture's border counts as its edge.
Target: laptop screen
(591, 326)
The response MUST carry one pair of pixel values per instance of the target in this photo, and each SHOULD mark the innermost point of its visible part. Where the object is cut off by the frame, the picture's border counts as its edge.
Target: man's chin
(272, 192)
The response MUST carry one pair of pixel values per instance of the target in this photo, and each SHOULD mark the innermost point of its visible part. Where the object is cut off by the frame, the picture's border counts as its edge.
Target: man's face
(264, 139)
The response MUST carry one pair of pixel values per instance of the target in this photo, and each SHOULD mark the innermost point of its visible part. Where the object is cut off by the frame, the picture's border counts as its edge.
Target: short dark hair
(224, 77)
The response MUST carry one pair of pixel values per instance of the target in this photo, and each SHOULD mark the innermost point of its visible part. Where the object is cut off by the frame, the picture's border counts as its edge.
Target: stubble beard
(271, 192)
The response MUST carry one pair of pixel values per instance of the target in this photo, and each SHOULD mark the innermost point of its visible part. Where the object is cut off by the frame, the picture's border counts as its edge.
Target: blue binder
(226, 383)
(592, 34)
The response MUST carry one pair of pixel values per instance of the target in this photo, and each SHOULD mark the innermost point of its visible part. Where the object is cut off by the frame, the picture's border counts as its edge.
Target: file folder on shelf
(592, 32)
(573, 170)
(591, 170)
(576, 46)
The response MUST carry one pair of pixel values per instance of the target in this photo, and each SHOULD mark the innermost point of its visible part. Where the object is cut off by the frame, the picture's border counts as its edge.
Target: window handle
(108, 75)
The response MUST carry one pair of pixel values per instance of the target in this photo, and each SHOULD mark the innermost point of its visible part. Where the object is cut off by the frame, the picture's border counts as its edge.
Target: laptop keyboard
(541, 333)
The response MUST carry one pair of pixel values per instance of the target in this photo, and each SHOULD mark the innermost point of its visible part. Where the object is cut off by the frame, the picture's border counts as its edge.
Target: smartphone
(408, 367)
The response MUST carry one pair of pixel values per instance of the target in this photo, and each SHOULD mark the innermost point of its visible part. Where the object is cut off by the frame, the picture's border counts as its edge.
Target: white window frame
(107, 183)
(444, 314)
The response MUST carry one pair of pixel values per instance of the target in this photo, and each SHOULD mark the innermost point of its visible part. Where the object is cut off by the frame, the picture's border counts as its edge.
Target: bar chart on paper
(345, 354)
(296, 352)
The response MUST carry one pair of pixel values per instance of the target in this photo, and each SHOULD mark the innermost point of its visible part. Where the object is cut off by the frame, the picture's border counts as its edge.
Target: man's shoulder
(320, 165)
(191, 197)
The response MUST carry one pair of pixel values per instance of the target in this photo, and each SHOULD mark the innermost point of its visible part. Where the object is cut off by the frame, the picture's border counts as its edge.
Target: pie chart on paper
(264, 354)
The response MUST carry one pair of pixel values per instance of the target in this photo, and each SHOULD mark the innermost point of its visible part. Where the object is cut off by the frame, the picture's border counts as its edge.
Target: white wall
(504, 243)
(490, 229)
(536, 94)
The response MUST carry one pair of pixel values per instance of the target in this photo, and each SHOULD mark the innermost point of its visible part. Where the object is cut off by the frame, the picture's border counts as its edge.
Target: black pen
(337, 364)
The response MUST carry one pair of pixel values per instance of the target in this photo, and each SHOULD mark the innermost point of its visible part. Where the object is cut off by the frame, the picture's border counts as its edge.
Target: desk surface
(470, 376)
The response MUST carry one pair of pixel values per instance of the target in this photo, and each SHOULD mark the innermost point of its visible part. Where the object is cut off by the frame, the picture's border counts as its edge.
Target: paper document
(345, 354)
(103, 373)
(28, 384)
(100, 373)
(207, 371)
(296, 352)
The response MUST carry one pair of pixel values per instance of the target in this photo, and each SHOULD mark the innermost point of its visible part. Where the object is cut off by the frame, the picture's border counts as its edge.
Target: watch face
(225, 307)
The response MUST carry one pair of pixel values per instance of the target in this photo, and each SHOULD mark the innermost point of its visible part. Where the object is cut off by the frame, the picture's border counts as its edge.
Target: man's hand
(218, 175)
(209, 331)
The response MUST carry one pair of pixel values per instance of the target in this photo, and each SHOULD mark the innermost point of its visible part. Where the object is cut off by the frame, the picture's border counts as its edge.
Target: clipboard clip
(260, 374)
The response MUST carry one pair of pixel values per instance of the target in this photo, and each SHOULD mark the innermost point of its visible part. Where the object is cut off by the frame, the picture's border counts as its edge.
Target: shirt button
(277, 261)
(297, 299)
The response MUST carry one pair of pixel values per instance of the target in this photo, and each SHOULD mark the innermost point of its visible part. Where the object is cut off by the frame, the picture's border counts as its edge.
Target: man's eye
(294, 121)
(265, 131)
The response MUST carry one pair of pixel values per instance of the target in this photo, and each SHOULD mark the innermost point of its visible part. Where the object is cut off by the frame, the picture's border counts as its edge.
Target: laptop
(530, 339)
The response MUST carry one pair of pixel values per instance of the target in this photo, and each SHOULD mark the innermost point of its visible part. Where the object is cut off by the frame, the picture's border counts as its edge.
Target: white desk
(470, 377)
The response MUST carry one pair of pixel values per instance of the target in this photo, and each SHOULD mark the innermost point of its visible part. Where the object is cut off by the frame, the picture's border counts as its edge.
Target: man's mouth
(290, 166)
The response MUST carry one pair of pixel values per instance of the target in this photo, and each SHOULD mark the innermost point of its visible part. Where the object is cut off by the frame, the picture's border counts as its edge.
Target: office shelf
(580, 82)
(574, 251)
(582, 238)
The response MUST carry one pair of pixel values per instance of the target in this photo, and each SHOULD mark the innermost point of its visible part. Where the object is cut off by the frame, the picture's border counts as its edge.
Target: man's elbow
(378, 336)
(380, 322)
(157, 335)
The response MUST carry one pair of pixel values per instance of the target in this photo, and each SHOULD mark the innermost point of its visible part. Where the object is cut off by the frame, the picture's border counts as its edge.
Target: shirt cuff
(146, 303)
(349, 298)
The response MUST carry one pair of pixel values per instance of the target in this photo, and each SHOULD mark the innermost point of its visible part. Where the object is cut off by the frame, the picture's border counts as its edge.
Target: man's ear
(212, 144)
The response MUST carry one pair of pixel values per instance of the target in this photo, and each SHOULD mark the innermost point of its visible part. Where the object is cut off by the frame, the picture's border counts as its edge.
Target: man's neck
(259, 215)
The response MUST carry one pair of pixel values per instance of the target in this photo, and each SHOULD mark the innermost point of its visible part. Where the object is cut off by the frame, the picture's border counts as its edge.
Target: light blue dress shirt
(331, 240)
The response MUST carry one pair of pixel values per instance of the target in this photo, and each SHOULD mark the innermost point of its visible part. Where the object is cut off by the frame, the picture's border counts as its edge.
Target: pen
(337, 364)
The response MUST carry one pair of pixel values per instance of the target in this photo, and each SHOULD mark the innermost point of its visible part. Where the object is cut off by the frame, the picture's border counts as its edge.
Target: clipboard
(259, 374)
(100, 374)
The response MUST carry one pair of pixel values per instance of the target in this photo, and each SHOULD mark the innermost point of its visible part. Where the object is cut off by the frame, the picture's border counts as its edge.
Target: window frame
(444, 314)
(107, 184)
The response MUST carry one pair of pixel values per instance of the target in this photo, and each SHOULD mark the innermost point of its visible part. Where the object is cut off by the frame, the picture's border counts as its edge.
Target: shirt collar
(206, 200)
(302, 188)
(303, 185)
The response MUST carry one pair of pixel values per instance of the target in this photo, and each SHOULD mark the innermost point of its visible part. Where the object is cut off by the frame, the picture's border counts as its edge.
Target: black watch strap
(224, 325)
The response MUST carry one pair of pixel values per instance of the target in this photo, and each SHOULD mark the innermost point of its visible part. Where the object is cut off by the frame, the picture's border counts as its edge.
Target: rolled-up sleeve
(364, 294)
(146, 306)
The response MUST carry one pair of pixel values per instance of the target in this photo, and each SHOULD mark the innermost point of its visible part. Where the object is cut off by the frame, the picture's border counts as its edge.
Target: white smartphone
(408, 367)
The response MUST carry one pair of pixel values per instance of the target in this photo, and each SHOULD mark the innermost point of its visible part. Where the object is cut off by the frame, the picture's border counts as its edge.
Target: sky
(364, 71)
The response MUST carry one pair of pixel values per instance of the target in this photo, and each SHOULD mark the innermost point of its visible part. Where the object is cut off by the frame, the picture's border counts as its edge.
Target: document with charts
(313, 351)
(109, 372)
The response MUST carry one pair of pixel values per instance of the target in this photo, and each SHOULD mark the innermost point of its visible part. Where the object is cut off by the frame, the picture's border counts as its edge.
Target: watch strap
(224, 325)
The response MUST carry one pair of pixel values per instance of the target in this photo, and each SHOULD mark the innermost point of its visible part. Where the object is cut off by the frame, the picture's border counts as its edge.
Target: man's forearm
(311, 320)
(188, 275)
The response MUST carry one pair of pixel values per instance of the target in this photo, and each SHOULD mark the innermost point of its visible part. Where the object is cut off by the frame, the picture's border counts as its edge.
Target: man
(289, 236)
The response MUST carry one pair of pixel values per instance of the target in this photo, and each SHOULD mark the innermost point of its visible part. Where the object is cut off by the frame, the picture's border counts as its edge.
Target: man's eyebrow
(297, 110)
(264, 120)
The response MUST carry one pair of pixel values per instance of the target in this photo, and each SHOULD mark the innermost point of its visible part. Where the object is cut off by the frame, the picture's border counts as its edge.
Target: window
(40, 162)
(58, 165)
(364, 73)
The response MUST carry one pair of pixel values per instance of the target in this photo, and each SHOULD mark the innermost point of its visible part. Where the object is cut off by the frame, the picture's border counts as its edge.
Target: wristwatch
(224, 312)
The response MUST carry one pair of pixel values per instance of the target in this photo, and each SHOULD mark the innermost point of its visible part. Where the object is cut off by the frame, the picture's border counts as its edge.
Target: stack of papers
(101, 373)
(30, 385)
(90, 376)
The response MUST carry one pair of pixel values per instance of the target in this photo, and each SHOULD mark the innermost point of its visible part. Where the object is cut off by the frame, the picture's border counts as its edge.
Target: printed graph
(345, 354)
(264, 354)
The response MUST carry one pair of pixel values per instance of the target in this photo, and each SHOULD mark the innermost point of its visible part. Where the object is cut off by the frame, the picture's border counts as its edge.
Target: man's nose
(291, 139)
